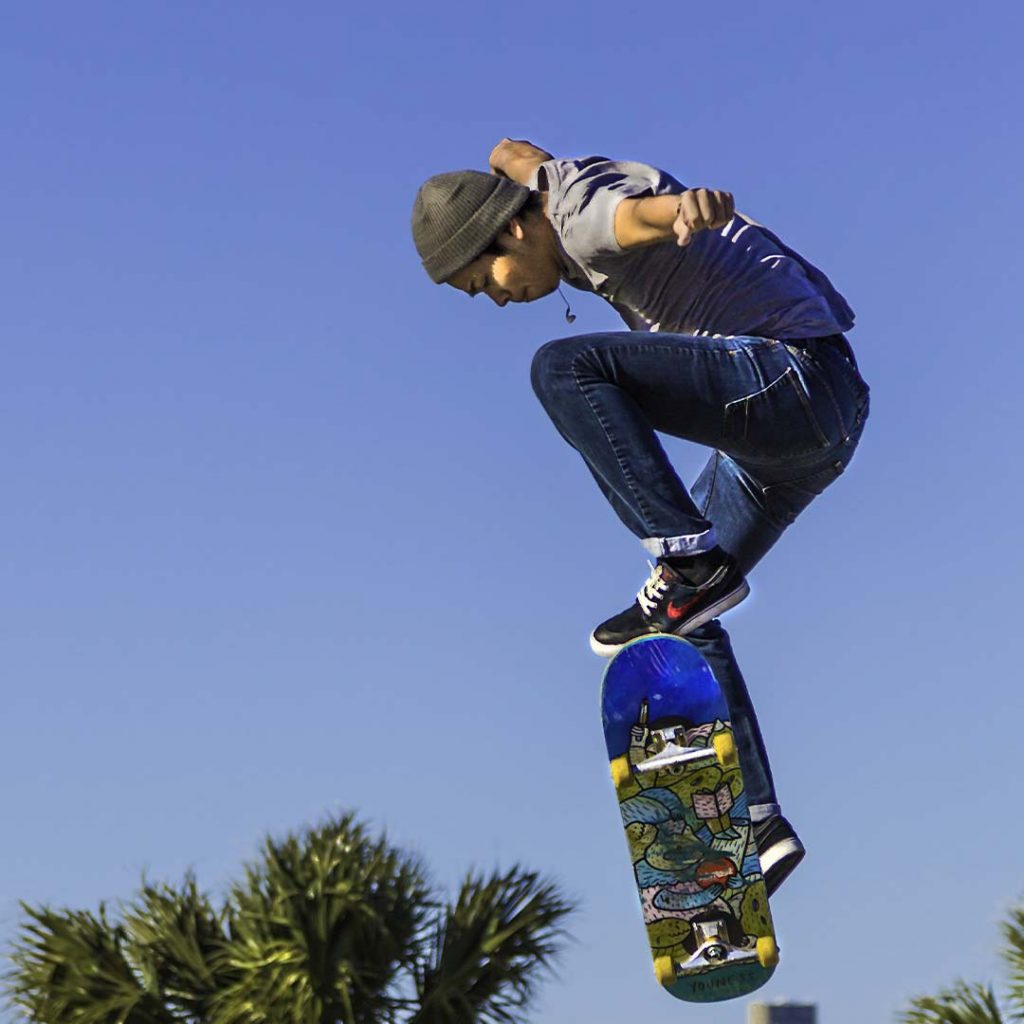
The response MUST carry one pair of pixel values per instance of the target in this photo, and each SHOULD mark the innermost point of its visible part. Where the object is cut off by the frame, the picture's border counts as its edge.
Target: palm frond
(321, 927)
(71, 967)
(1013, 957)
(491, 949)
(962, 1004)
(175, 937)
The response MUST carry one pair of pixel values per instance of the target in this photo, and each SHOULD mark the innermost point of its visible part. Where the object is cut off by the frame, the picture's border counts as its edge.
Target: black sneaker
(667, 603)
(779, 848)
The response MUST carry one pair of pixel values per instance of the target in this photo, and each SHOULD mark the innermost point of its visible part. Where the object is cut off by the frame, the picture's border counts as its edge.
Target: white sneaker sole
(780, 851)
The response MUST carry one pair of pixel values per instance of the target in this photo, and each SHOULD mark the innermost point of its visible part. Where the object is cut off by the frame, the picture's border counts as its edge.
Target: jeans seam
(805, 401)
(835, 404)
(626, 475)
(762, 382)
(711, 486)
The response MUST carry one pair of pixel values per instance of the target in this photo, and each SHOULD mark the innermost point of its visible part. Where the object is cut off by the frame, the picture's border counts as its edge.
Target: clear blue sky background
(286, 532)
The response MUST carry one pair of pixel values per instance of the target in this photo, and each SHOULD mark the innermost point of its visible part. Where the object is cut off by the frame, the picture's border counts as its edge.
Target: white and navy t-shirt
(737, 280)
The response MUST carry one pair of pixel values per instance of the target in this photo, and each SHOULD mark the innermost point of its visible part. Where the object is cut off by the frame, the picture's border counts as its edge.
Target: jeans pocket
(776, 421)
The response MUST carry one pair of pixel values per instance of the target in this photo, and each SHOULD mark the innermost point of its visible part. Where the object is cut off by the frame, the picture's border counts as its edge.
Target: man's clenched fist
(701, 208)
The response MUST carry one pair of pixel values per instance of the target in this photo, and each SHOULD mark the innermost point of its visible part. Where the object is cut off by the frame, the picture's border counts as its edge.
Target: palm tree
(971, 1003)
(328, 925)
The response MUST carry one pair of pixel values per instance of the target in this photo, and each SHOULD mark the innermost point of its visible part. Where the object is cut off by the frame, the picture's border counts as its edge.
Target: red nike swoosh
(677, 611)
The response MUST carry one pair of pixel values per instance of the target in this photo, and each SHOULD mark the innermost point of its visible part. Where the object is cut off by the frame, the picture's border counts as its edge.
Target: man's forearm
(653, 219)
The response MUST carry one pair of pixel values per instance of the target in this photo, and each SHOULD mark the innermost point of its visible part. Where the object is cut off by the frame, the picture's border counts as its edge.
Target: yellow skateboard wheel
(767, 951)
(664, 970)
(725, 748)
(620, 771)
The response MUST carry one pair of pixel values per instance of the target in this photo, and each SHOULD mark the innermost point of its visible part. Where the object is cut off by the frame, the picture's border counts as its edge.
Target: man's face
(526, 268)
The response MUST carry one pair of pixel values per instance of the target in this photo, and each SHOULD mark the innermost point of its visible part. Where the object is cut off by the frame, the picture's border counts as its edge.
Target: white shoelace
(653, 590)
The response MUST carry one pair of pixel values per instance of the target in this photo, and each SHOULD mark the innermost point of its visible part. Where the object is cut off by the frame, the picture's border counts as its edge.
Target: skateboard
(684, 810)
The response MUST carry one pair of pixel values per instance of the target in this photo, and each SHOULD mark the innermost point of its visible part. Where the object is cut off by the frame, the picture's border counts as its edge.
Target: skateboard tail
(719, 984)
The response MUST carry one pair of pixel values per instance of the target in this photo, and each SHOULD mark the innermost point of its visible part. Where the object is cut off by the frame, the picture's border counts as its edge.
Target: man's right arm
(671, 217)
(517, 159)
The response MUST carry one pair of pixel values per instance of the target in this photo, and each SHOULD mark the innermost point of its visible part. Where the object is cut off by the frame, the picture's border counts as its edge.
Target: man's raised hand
(516, 159)
(701, 208)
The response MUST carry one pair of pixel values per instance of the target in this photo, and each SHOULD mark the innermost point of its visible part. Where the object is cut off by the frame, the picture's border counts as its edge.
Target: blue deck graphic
(671, 675)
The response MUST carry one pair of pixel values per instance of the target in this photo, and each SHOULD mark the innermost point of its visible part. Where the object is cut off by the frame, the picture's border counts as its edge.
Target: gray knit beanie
(457, 215)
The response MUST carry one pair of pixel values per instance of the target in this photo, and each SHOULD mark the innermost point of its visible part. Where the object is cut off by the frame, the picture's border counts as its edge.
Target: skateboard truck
(669, 748)
(714, 948)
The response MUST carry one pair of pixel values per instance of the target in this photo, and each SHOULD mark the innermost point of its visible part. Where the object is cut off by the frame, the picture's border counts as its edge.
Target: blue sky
(287, 532)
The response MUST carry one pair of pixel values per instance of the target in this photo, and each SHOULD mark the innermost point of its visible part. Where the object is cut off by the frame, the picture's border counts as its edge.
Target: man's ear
(516, 228)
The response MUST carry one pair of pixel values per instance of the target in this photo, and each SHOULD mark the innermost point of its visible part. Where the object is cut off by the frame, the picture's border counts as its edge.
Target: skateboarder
(735, 342)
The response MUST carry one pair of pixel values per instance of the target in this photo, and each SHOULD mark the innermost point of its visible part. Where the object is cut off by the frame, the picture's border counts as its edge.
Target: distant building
(782, 1013)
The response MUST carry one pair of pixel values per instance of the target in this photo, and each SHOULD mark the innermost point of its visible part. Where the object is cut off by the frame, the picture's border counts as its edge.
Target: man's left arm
(517, 159)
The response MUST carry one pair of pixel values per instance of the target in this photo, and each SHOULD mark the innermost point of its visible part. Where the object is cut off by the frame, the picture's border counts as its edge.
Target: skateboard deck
(684, 810)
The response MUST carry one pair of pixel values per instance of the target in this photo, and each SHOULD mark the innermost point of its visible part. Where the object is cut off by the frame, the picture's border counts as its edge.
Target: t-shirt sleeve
(586, 193)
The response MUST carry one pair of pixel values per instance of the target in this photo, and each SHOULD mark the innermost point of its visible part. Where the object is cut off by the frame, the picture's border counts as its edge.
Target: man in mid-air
(735, 342)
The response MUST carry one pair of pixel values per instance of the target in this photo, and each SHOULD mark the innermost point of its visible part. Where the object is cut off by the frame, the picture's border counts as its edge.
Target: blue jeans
(782, 420)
